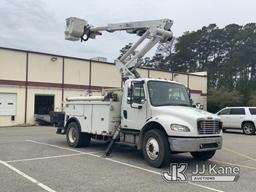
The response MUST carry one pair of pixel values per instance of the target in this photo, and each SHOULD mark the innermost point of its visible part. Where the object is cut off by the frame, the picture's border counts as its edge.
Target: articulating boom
(155, 30)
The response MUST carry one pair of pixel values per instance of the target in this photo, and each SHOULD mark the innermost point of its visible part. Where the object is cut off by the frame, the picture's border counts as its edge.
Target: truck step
(127, 144)
(129, 131)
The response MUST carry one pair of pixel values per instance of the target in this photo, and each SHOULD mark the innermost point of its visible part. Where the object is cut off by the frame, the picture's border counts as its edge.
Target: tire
(74, 136)
(155, 149)
(203, 156)
(248, 128)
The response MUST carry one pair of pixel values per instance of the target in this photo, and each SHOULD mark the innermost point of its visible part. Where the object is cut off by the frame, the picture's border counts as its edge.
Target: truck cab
(162, 109)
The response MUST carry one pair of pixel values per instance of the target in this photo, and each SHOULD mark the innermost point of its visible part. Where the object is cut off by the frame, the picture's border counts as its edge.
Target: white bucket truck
(153, 115)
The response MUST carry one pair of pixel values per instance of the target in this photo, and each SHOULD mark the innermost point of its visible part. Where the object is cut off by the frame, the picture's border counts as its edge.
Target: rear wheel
(156, 150)
(74, 136)
(203, 156)
(248, 128)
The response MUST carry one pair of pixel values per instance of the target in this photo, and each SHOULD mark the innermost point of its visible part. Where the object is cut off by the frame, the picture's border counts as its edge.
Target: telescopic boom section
(154, 31)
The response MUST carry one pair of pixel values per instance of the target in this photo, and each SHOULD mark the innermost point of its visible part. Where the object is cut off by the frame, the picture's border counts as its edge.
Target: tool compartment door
(86, 119)
(100, 119)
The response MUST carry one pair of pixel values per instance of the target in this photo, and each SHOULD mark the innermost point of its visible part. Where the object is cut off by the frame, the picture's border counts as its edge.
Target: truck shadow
(133, 156)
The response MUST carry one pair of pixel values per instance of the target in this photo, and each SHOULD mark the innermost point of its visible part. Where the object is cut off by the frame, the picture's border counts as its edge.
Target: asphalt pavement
(36, 159)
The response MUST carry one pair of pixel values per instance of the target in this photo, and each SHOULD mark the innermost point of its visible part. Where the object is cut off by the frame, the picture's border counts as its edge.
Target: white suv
(239, 118)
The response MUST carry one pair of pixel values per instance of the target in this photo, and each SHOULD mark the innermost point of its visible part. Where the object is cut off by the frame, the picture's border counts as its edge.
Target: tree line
(228, 54)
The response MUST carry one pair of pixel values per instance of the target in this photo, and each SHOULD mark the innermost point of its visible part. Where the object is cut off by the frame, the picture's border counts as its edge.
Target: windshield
(165, 93)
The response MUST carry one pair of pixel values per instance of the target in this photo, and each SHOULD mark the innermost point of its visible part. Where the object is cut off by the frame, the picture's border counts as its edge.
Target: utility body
(153, 115)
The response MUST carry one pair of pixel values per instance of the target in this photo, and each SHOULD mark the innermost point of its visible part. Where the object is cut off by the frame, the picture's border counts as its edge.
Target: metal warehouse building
(35, 83)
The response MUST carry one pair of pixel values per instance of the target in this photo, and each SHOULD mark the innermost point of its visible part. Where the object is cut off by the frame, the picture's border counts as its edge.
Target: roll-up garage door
(8, 104)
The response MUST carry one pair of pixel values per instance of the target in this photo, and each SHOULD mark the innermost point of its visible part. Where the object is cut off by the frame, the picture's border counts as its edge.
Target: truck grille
(208, 127)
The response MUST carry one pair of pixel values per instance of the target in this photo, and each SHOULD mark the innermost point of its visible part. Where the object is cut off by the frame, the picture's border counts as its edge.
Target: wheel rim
(248, 129)
(72, 135)
(152, 148)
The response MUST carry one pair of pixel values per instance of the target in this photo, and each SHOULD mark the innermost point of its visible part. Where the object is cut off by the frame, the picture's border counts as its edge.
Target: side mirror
(129, 100)
(143, 101)
(191, 102)
(198, 106)
(189, 93)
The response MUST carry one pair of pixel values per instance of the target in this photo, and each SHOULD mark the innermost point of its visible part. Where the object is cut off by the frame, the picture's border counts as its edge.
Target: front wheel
(74, 136)
(156, 150)
(203, 156)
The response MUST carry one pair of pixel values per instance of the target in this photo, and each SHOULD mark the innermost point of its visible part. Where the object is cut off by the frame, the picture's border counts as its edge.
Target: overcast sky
(38, 25)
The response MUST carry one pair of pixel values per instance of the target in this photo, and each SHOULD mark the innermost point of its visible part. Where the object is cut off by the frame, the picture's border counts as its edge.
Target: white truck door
(225, 117)
(236, 117)
(134, 106)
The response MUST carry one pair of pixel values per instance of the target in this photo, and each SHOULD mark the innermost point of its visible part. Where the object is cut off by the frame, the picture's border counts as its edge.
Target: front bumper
(184, 144)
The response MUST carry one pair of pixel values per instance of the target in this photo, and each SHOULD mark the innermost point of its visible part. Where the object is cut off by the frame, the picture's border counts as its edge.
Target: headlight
(180, 128)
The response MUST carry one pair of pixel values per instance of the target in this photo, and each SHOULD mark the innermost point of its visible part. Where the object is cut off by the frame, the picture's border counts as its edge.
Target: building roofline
(53, 54)
(90, 60)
